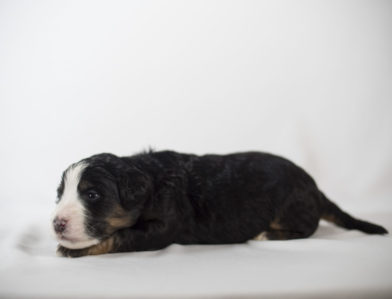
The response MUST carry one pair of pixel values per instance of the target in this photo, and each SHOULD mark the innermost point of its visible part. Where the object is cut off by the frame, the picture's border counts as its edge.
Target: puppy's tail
(332, 213)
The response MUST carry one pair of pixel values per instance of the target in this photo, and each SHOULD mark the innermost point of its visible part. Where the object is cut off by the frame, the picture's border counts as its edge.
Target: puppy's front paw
(66, 252)
(105, 246)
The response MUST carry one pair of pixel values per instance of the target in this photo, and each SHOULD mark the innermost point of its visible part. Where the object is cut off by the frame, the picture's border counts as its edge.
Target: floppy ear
(134, 188)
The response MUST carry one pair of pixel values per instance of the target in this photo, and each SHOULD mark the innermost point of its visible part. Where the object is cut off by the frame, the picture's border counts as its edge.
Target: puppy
(148, 201)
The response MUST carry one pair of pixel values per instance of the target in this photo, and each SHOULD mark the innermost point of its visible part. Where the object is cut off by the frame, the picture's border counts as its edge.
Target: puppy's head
(96, 197)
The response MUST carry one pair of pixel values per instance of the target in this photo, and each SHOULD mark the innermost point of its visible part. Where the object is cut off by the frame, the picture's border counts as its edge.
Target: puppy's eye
(92, 195)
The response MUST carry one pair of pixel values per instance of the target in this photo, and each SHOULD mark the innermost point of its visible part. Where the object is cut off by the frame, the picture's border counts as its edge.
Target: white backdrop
(310, 80)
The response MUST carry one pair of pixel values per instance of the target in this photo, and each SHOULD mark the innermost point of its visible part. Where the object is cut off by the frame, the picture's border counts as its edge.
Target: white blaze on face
(71, 209)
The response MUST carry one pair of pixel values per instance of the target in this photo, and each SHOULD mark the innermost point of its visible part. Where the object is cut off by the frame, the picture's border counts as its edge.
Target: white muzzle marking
(71, 209)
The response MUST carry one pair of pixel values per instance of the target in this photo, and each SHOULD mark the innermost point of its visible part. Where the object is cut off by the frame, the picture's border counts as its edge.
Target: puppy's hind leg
(297, 220)
(280, 234)
(284, 235)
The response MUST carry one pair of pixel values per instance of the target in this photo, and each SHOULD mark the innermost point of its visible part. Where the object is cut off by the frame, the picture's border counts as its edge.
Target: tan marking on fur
(119, 222)
(118, 219)
(84, 185)
(105, 246)
(261, 237)
(275, 225)
(330, 218)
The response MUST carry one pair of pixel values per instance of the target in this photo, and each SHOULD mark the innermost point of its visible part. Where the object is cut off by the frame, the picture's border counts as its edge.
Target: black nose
(59, 224)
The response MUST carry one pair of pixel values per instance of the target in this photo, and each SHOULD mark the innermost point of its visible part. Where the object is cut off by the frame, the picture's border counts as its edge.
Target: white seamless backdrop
(310, 80)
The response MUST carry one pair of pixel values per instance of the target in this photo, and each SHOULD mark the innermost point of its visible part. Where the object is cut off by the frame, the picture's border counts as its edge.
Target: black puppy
(151, 200)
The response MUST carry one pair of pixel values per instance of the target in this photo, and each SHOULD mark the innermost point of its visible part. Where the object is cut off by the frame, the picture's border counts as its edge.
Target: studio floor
(333, 263)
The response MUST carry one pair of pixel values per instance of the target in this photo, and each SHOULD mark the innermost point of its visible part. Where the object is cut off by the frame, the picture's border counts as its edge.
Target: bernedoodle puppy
(109, 204)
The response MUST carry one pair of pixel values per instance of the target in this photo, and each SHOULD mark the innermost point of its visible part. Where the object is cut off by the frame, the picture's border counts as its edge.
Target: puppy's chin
(77, 244)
